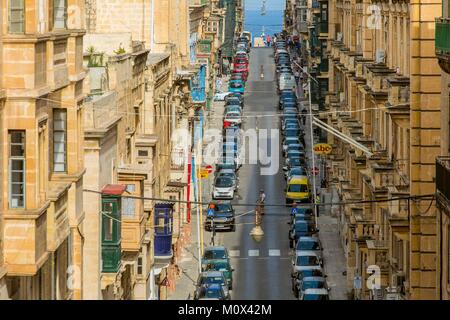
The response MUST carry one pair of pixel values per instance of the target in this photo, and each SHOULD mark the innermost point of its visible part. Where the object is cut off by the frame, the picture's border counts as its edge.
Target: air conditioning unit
(380, 56)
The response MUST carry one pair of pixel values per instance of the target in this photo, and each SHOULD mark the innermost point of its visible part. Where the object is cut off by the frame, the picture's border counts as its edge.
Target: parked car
(212, 277)
(297, 276)
(289, 140)
(314, 294)
(306, 259)
(237, 95)
(296, 171)
(310, 244)
(301, 228)
(215, 252)
(293, 163)
(297, 190)
(229, 173)
(210, 292)
(223, 217)
(236, 85)
(233, 117)
(309, 283)
(223, 266)
(224, 188)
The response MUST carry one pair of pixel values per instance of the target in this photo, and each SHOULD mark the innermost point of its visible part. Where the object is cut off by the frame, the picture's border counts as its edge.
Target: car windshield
(292, 140)
(210, 293)
(235, 84)
(298, 188)
(313, 284)
(307, 245)
(298, 172)
(224, 207)
(223, 182)
(221, 266)
(295, 162)
(215, 254)
(317, 297)
(211, 280)
(307, 261)
(294, 153)
(301, 226)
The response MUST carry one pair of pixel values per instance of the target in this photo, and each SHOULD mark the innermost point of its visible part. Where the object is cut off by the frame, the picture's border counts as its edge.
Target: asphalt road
(262, 270)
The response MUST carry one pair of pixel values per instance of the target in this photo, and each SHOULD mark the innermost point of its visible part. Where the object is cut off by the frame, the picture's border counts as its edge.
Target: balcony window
(41, 64)
(59, 53)
(128, 204)
(17, 16)
(59, 14)
(111, 233)
(16, 169)
(59, 140)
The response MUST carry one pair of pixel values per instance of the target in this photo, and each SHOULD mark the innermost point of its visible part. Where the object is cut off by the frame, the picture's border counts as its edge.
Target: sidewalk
(189, 265)
(334, 257)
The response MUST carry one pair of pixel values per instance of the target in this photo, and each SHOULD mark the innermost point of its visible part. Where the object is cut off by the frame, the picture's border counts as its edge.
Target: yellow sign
(204, 173)
(322, 148)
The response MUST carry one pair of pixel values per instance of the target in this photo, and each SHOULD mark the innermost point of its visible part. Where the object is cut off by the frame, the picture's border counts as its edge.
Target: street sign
(204, 173)
(322, 148)
(294, 211)
(315, 171)
(209, 168)
(210, 212)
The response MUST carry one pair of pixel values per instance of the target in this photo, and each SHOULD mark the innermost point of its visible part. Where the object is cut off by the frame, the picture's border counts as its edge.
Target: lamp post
(257, 232)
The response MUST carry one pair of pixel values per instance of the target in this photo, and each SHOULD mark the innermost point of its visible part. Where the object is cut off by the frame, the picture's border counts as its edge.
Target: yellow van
(297, 190)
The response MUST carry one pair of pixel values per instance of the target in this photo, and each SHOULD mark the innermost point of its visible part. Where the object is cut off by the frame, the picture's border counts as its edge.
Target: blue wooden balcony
(163, 230)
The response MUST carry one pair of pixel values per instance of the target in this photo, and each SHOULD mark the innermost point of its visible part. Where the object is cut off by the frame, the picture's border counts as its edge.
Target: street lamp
(257, 232)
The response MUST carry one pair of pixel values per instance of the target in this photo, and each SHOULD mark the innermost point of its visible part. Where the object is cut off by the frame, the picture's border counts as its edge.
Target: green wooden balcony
(442, 43)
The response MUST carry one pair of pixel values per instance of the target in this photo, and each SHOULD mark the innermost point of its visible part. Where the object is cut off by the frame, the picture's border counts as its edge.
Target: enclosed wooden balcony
(442, 43)
(25, 241)
(443, 182)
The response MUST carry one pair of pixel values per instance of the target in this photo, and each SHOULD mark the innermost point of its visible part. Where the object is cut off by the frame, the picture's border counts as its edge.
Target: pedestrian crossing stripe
(274, 253)
(234, 253)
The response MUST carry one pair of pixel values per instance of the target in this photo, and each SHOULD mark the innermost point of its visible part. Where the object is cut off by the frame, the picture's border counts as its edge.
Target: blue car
(236, 86)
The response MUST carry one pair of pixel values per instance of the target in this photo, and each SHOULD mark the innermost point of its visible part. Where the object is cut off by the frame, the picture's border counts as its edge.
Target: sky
(270, 4)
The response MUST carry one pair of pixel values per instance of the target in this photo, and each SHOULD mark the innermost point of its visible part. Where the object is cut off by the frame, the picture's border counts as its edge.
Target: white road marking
(253, 253)
(274, 253)
(235, 253)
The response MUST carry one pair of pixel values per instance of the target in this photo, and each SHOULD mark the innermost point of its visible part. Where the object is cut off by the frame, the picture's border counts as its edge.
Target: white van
(287, 81)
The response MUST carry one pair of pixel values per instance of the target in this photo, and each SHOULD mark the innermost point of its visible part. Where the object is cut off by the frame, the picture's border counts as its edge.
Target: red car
(239, 60)
(243, 69)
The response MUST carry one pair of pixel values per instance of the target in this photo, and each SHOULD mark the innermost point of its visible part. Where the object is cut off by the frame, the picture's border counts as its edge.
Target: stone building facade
(41, 141)
(383, 77)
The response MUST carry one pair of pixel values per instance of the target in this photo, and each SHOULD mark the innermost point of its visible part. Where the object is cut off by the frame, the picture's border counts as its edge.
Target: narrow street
(262, 269)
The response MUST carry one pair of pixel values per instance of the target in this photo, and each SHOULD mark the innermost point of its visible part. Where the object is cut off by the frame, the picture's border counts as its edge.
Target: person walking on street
(261, 200)
(304, 116)
(297, 76)
(318, 202)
